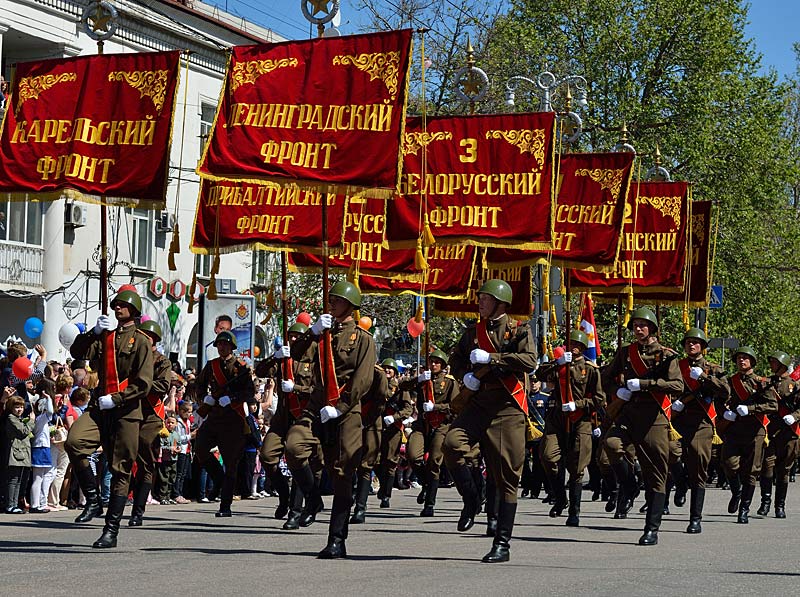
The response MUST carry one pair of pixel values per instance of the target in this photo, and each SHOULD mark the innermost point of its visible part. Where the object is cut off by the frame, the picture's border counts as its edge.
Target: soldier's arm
(716, 384)
(299, 347)
(162, 376)
(203, 379)
(524, 358)
(450, 394)
(406, 404)
(86, 347)
(594, 396)
(140, 376)
(362, 374)
(243, 390)
(765, 403)
(268, 367)
(670, 382)
(459, 359)
(547, 372)
(609, 373)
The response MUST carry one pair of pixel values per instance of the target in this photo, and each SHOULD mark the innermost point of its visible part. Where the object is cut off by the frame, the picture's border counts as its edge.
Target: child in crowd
(43, 471)
(168, 464)
(18, 452)
(184, 459)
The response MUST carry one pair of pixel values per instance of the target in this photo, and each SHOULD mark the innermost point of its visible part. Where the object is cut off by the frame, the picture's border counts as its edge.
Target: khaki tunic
(372, 422)
(783, 448)
(401, 406)
(149, 442)
(425, 437)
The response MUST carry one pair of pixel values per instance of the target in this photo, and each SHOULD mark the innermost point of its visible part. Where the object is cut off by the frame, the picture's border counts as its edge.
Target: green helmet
(347, 291)
(499, 289)
(225, 336)
(647, 315)
(390, 363)
(438, 354)
(579, 336)
(696, 333)
(151, 328)
(130, 298)
(298, 328)
(783, 358)
(749, 351)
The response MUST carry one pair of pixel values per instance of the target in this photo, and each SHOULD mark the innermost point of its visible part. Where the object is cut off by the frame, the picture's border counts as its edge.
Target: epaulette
(448, 376)
(378, 368)
(668, 351)
(591, 363)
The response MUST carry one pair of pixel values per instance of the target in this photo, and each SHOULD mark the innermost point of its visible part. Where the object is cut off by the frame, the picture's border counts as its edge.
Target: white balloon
(67, 334)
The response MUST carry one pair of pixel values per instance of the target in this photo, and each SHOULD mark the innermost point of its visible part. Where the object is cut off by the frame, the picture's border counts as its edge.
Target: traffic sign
(716, 297)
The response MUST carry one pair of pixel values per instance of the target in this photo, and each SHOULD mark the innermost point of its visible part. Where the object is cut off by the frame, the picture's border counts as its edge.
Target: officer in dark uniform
(643, 374)
(493, 359)
(152, 423)
(124, 357)
(343, 374)
(396, 416)
(228, 385)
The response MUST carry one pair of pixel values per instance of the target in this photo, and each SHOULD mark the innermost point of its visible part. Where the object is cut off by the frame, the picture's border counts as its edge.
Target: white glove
(284, 352)
(597, 432)
(287, 385)
(105, 402)
(677, 406)
(742, 410)
(407, 422)
(564, 358)
(328, 413)
(624, 394)
(472, 382)
(225, 401)
(479, 357)
(103, 323)
(427, 406)
(634, 385)
(388, 420)
(729, 415)
(695, 372)
(424, 376)
(209, 400)
(569, 407)
(324, 322)
(789, 420)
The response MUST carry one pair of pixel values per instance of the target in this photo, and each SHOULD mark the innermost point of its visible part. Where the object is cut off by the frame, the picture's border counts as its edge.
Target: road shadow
(306, 554)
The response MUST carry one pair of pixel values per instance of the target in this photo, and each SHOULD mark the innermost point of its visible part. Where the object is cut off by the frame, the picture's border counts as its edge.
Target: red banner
(240, 216)
(519, 278)
(652, 253)
(325, 112)
(99, 125)
(592, 191)
(481, 180)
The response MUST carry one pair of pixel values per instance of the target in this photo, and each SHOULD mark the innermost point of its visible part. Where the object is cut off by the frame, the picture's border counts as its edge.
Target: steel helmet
(499, 289)
(391, 363)
(696, 333)
(438, 354)
(748, 351)
(226, 336)
(151, 328)
(579, 336)
(647, 315)
(347, 291)
(783, 358)
(297, 328)
(130, 298)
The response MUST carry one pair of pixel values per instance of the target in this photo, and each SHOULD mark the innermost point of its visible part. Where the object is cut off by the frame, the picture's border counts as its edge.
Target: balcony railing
(21, 266)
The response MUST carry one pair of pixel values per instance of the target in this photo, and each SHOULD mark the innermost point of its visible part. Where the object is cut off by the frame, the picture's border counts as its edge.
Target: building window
(21, 222)
(260, 267)
(207, 112)
(202, 265)
(142, 241)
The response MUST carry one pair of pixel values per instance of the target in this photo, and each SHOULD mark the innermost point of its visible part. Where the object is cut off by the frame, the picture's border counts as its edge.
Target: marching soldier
(752, 399)
(567, 441)
(153, 422)
(228, 384)
(493, 358)
(124, 357)
(342, 376)
(643, 374)
(399, 408)
(783, 450)
(695, 414)
(435, 392)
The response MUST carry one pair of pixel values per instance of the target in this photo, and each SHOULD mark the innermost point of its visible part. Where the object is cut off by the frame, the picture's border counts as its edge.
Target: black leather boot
(780, 499)
(430, 498)
(627, 487)
(281, 485)
(492, 509)
(469, 494)
(655, 510)
(387, 483)
(678, 474)
(736, 494)
(88, 483)
(116, 507)
(610, 492)
(337, 531)
(139, 504)
(696, 510)
(362, 493)
(744, 505)
(575, 489)
(482, 486)
(766, 496)
(310, 488)
(560, 498)
(295, 507)
(505, 524)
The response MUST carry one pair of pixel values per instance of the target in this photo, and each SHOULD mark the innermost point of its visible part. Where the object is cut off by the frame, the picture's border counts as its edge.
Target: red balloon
(130, 287)
(22, 368)
(304, 318)
(415, 328)
(558, 351)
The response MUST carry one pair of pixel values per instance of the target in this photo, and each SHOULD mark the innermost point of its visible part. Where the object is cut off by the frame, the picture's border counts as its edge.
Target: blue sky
(774, 24)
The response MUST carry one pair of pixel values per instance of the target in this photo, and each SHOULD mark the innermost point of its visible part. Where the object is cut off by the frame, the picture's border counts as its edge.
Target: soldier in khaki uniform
(153, 422)
(124, 357)
(567, 441)
(752, 400)
(396, 416)
(782, 451)
(695, 416)
(493, 358)
(372, 405)
(333, 416)
(643, 374)
(228, 385)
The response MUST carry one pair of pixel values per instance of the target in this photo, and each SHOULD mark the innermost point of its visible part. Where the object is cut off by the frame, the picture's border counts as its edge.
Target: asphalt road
(185, 550)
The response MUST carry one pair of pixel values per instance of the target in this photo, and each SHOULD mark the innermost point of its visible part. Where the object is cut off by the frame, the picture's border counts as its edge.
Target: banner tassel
(419, 313)
(428, 240)
(419, 258)
(627, 317)
(686, 325)
(716, 440)
(673, 434)
(174, 248)
(553, 324)
(192, 291)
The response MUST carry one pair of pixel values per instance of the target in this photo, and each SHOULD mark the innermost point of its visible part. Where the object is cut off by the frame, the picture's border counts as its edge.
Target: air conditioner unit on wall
(165, 221)
(74, 214)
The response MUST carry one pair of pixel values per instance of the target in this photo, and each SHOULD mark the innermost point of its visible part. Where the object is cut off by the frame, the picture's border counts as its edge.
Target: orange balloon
(365, 323)
(257, 351)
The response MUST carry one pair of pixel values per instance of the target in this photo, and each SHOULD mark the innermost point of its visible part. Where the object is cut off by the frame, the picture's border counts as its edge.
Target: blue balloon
(277, 343)
(81, 327)
(33, 327)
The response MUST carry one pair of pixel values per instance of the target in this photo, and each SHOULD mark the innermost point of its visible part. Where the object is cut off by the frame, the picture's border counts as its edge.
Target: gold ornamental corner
(33, 87)
(698, 230)
(413, 142)
(669, 207)
(609, 180)
(149, 83)
(526, 140)
(249, 71)
(379, 65)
